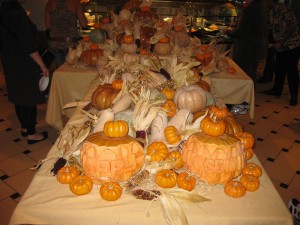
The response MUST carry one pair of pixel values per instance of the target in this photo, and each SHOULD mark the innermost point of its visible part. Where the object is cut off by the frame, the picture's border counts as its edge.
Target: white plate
(44, 82)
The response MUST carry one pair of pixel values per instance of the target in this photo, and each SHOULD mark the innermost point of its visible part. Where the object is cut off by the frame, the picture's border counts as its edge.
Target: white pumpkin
(162, 48)
(129, 48)
(190, 97)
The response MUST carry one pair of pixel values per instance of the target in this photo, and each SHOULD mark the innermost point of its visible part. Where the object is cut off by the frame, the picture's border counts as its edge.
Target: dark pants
(286, 65)
(27, 117)
(270, 65)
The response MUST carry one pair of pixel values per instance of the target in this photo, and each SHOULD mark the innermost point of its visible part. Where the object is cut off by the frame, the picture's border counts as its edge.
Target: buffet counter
(70, 84)
(46, 201)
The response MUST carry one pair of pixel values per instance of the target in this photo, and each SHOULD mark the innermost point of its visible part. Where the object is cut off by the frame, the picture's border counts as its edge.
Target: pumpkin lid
(224, 139)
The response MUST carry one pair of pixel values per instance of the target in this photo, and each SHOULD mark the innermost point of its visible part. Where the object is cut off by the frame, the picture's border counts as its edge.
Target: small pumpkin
(164, 40)
(86, 38)
(250, 182)
(186, 181)
(90, 57)
(178, 28)
(172, 135)
(234, 189)
(110, 191)
(211, 126)
(81, 185)
(168, 93)
(103, 96)
(170, 107)
(175, 156)
(252, 169)
(98, 35)
(166, 178)
(158, 151)
(66, 174)
(249, 153)
(128, 39)
(162, 48)
(117, 84)
(246, 138)
(219, 112)
(203, 47)
(116, 129)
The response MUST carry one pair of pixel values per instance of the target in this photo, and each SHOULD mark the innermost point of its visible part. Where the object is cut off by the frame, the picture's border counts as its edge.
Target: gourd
(246, 138)
(130, 58)
(128, 44)
(234, 189)
(116, 158)
(170, 108)
(116, 129)
(110, 191)
(250, 182)
(252, 169)
(103, 96)
(211, 126)
(190, 97)
(90, 57)
(172, 135)
(215, 159)
(81, 185)
(117, 84)
(66, 174)
(157, 151)
(98, 35)
(176, 157)
(163, 46)
(168, 93)
(165, 178)
(186, 181)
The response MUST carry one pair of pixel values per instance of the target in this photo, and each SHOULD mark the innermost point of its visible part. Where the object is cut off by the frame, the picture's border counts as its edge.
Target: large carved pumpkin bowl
(215, 159)
(107, 158)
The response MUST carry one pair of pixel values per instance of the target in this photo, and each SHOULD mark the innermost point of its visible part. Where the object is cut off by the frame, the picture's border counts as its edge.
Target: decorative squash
(66, 174)
(219, 112)
(172, 135)
(186, 181)
(116, 129)
(129, 48)
(215, 159)
(166, 178)
(176, 157)
(110, 191)
(250, 182)
(249, 153)
(211, 126)
(81, 185)
(98, 35)
(246, 138)
(158, 151)
(162, 48)
(128, 39)
(252, 169)
(117, 84)
(114, 158)
(170, 107)
(234, 189)
(190, 97)
(90, 57)
(103, 96)
(168, 92)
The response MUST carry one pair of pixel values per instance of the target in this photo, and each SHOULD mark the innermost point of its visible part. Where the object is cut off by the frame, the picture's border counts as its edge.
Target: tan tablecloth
(68, 84)
(48, 202)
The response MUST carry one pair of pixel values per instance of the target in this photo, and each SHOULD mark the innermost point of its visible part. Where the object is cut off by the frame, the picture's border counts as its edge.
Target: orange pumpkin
(246, 138)
(66, 174)
(250, 182)
(168, 93)
(252, 169)
(94, 46)
(234, 189)
(215, 159)
(117, 84)
(86, 38)
(166, 178)
(145, 8)
(105, 20)
(186, 181)
(97, 25)
(81, 185)
(212, 126)
(203, 47)
(116, 129)
(110, 191)
(178, 28)
(219, 112)
(175, 156)
(113, 158)
(158, 151)
(170, 107)
(164, 40)
(172, 135)
(128, 39)
(103, 96)
(90, 57)
(249, 153)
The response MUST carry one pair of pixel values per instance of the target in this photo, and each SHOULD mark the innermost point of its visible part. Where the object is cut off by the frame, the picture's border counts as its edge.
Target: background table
(48, 202)
(68, 84)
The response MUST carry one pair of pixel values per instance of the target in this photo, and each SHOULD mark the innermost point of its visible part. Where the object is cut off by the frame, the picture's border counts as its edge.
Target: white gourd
(105, 116)
(158, 126)
(181, 119)
(122, 104)
(72, 57)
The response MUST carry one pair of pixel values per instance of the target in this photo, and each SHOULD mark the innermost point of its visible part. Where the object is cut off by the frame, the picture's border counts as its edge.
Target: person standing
(61, 18)
(250, 37)
(287, 44)
(22, 66)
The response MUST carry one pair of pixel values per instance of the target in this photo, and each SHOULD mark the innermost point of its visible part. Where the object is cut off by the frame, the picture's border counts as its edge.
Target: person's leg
(280, 72)
(20, 112)
(269, 69)
(293, 75)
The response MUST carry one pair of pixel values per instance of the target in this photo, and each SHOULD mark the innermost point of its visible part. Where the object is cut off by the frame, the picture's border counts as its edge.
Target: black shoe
(293, 101)
(271, 92)
(24, 133)
(45, 136)
(263, 80)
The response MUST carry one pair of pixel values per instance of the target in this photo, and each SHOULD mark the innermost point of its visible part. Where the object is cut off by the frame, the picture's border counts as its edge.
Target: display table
(68, 84)
(46, 201)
